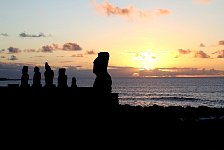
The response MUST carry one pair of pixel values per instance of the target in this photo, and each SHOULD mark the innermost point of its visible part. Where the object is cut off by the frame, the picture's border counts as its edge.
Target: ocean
(184, 92)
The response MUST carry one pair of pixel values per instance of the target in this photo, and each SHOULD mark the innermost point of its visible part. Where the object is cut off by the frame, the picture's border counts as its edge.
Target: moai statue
(37, 77)
(74, 85)
(25, 77)
(103, 80)
(62, 78)
(49, 76)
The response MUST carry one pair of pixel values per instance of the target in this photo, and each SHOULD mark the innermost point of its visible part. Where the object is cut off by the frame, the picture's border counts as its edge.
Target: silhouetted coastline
(68, 101)
(6, 79)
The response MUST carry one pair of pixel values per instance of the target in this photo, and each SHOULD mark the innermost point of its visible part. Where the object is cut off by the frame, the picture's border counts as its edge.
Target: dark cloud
(4, 34)
(184, 52)
(180, 72)
(47, 49)
(122, 71)
(13, 57)
(202, 45)
(201, 54)
(221, 43)
(91, 52)
(24, 35)
(77, 55)
(108, 9)
(71, 47)
(221, 54)
(14, 50)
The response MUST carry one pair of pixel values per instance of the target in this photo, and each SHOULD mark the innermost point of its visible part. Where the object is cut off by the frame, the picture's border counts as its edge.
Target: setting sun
(146, 60)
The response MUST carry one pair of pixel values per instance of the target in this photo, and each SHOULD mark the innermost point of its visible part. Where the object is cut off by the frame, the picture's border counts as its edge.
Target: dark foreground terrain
(87, 106)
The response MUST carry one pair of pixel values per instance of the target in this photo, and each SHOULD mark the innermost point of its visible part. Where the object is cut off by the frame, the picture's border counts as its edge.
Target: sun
(146, 60)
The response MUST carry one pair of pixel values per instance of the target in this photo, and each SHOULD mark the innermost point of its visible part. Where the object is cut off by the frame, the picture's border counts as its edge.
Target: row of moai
(49, 77)
(103, 80)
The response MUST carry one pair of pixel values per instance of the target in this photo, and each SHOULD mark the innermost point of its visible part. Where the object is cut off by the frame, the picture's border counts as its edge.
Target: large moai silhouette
(49, 76)
(62, 78)
(37, 77)
(25, 77)
(103, 80)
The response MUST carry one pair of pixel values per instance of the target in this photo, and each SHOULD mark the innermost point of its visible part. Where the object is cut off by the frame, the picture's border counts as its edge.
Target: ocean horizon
(145, 92)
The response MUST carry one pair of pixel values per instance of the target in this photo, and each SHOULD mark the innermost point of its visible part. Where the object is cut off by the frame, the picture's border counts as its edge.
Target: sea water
(162, 91)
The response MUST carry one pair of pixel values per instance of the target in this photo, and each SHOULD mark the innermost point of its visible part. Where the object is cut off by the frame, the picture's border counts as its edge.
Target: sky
(143, 37)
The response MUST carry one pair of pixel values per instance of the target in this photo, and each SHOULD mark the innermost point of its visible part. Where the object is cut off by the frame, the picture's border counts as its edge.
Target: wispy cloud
(220, 54)
(67, 61)
(29, 50)
(2, 50)
(77, 55)
(201, 54)
(4, 34)
(203, 1)
(13, 58)
(202, 45)
(14, 50)
(25, 35)
(91, 52)
(221, 42)
(109, 9)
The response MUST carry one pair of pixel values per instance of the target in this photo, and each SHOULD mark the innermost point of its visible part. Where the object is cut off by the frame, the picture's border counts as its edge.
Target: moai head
(36, 69)
(101, 63)
(62, 71)
(25, 70)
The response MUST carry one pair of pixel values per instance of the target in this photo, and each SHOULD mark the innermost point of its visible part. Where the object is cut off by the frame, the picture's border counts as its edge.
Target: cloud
(221, 43)
(77, 55)
(180, 72)
(203, 1)
(13, 58)
(25, 35)
(39, 56)
(66, 47)
(29, 50)
(108, 9)
(202, 45)
(2, 50)
(47, 49)
(14, 50)
(67, 61)
(91, 52)
(201, 54)
(4, 34)
(184, 52)
(71, 47)
(221, 54)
